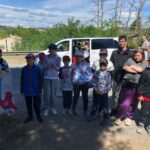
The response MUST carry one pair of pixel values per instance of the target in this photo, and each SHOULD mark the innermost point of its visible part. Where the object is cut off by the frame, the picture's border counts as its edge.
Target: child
(102, 82)
(31, 87)
(51, 80)
(81, 76)
(66, 84)
(144, 96)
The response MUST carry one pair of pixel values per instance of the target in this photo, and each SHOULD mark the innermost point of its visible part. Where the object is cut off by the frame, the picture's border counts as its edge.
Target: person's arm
(129, 69)
(136, 68)
(21, 82)
(40, 81)
(60, 73)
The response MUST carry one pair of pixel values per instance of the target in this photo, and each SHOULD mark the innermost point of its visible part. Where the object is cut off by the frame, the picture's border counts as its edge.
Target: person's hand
(140, 98)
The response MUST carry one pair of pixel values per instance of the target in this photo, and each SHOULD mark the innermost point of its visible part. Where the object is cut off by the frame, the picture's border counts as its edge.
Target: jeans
(144, 112)
(49, 92)
(36, 102)
(77, 88)
(102, 103)
(0, 88)
(67, 99)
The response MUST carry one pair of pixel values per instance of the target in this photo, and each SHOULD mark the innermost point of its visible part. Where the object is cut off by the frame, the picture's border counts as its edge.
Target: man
(31, 87)
(51, 80)
(102, 57)
(118, 58)
(3, 67)
(146, 46)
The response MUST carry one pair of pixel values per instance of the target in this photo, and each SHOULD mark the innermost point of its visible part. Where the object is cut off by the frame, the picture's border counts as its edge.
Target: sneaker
(53, 111)
(74, 112)
(140, 129)
(46, 111)
(118, 122)
(148, 130)
(40, 119)
(29, 119)
(64, 112)
(127, 121)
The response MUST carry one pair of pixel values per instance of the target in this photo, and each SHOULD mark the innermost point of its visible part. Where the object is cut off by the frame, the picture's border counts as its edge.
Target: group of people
(127, 73)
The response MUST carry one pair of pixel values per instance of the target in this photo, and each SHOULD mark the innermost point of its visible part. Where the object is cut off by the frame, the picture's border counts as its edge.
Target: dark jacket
(118, 59)
(31, 81)
(144, 83)
(3, 64)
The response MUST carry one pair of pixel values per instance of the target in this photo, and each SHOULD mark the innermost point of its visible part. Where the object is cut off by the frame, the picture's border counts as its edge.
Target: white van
(68, 46)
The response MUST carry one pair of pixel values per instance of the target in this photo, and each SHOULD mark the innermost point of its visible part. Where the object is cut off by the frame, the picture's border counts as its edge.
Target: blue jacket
(31, 81)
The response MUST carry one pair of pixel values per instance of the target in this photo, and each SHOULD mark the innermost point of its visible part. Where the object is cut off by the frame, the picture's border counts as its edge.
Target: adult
(133, 68)
(118, 58)
(52, 66)
(3, 68)
(31, 85)
(146, 46)
(103, 53)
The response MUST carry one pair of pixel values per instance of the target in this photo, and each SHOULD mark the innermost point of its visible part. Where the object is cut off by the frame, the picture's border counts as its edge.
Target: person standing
(146, 46)
(133, 68)
(143, 90)
(102, 83)
(81, 76)
(3, 68)
(52, 67)
(118, 58)
(66, 85)
(31, 86)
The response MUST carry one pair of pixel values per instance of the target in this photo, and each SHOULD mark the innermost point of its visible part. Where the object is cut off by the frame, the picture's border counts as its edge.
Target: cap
(42, 55)
(103, 62)
(52, 46)
(30, 55)
(65, 58)
(103, 50)
(79, 53)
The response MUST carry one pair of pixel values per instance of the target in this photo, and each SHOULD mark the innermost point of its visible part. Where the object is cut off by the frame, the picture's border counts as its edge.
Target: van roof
(90, 38)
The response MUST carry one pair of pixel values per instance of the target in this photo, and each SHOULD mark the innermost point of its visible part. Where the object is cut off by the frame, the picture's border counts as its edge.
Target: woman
(128, 96)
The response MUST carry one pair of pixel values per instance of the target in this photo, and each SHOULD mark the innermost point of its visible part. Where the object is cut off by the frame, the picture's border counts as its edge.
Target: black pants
(67, 99)
(77, 88)
(36, 102)
(101, 103)
(145, 112)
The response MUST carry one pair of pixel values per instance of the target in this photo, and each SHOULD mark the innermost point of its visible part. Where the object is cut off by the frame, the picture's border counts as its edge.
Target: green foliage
(39, 39)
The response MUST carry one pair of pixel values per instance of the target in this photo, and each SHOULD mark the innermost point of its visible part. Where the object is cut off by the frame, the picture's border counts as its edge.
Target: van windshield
(104, 43)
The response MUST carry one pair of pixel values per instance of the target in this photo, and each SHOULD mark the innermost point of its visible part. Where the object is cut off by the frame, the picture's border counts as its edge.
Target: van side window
(104, 43)
(63, 46)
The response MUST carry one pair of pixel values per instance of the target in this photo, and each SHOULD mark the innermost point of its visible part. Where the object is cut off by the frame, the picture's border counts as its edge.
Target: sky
(46, 13)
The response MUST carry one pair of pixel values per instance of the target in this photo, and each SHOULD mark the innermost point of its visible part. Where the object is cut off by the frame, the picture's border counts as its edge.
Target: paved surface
(65, 132)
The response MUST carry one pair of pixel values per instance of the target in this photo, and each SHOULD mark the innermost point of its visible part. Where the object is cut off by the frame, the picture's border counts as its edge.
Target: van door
(64, 48)
(96, 44)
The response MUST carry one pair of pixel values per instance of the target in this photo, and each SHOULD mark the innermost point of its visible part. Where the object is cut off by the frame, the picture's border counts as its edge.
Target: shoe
(140, 129)
(127, 121)
(64, 112)
(69, 112)
(53, 111)
(118, 122)
(148, 130)
(29, 119)
(40, 119)
(46, 111)
(74, 112)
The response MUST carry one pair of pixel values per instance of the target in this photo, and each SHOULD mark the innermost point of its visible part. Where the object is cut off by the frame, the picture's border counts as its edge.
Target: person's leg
(95, 102)
(85, 89)
(29, 106)
(54, 84)
(69, 99)
(76, 89)
(127, 95)
(46, 93)
(143, 116)
(0, 88)
(105, 102)
(64, 94)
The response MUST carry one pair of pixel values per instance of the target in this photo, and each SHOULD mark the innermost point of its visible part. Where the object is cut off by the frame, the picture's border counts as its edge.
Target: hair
(123, 37)
(145, 36)
(139, 51)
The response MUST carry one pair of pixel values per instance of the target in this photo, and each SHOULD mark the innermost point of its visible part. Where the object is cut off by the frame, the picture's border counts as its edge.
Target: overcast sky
(45, 13)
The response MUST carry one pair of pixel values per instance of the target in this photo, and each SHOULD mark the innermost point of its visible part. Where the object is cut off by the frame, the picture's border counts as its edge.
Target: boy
(144, 96)
(66, 84)
(31, 86)
(102, 82)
